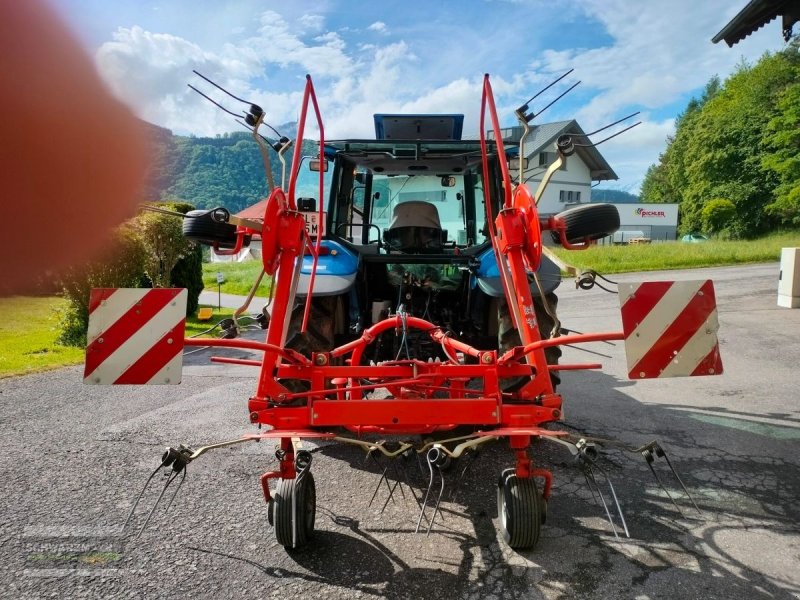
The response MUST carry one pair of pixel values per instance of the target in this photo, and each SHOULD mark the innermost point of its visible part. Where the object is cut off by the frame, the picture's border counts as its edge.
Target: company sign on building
(654, 221)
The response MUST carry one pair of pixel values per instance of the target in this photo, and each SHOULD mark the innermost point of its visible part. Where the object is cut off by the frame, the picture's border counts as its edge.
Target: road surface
(74, 457)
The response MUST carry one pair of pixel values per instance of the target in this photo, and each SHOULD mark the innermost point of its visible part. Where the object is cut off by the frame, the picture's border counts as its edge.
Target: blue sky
(417, 56)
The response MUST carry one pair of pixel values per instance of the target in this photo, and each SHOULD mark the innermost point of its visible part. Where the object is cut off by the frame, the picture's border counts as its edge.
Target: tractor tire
(294, 498)
(519, 510)
(593, 221)
(198, 226)
(508, 336)
(325, 321)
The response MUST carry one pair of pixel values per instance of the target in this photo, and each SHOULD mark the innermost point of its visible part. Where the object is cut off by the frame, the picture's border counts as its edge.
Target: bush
(718, 215)
(163, 242)
(122, 265)
(188, 271)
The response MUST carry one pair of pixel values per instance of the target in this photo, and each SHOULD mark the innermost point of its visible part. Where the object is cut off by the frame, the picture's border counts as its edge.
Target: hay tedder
(385, 333)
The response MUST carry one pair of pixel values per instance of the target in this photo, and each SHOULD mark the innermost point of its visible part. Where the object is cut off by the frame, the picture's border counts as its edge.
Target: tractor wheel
(198, 226)
(508, 335)
(294, 506)
(519, 510)
(593, 221)
(324, 321)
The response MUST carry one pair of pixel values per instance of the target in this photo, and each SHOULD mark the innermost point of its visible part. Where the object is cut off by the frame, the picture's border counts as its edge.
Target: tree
(717, 215)
(164, 244)
(188, 271)
(121, 265)
(783, 140)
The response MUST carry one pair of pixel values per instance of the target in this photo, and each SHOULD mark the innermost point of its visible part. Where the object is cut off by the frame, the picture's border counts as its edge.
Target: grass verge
(28, 333)
(678, 255)
(239, 278)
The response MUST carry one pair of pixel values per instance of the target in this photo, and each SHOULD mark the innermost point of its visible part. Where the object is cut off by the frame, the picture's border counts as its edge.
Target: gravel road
(74, 457)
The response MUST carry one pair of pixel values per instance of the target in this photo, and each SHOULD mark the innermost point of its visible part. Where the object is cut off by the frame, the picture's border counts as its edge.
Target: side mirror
(448, 181)
(318, 165)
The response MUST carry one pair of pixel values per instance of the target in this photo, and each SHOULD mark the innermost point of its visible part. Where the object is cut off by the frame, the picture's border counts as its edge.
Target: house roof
(254, 212)
(543, 136)
(755, 15)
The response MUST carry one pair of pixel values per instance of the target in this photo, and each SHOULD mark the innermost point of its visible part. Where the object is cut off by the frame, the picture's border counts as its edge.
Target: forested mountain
(618, 196)
(226, 170)
(734, 161)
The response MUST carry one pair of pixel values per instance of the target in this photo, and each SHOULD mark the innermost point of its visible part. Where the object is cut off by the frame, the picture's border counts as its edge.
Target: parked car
(694, 238)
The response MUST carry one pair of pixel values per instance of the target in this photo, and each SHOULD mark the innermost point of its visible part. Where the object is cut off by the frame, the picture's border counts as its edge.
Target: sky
(418, 56)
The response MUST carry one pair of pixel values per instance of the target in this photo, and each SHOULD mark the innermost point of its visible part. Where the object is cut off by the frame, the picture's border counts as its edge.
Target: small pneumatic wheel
(519, 507)
(293, 510)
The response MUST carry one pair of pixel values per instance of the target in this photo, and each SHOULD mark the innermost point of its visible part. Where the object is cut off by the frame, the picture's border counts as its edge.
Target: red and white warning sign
(135, 336)
(670, 328)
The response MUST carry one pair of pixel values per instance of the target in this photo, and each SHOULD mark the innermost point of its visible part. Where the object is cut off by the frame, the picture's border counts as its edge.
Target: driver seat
(415, 228)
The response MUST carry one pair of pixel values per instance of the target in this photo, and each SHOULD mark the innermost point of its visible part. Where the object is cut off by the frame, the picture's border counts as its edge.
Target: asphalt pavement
(75, 457)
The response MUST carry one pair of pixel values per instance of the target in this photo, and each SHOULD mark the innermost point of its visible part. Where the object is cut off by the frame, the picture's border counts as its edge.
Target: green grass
(678, 255)
(193, 326)
(239, 278)
(28, 336)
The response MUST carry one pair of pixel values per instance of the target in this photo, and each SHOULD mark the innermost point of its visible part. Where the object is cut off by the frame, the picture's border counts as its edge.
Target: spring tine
(648, 456)
(589, 485)
(177, 489)
(660, 451)
(603, 500)
(473, 456)
(411, 488)
(396, 472)
(425, 501)
(170, 479)
(139, 497)
(616, 501)
(438, 501)
(377, 487)
(391, 493)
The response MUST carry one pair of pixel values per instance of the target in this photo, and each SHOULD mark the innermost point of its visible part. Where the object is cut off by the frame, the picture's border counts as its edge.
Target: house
(572, 184)
(755, 15)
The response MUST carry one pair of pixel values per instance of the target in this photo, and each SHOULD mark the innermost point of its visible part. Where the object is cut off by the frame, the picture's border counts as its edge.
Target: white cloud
(653, 54)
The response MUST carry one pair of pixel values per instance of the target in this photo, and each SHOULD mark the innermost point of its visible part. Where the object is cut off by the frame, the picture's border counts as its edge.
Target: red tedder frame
(423, 397)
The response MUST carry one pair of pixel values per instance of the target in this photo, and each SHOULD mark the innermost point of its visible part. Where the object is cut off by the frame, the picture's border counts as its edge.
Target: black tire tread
(520, 498)
(198, 226)
(282, 510)
(593, 221)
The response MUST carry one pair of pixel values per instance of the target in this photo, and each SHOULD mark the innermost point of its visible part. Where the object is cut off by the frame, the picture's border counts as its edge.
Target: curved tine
(377, 487)
(396, 471)
(661, 484)
(438, 500)
(675, 473)
(473, 455)
(427, 493)
(170, 479)
(139, 497)
(177, 489)
(605, 506)
(616, 501)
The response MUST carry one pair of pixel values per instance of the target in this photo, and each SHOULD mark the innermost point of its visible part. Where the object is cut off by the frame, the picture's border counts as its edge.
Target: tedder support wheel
(519, 507)
(593, 221)
(294, 501)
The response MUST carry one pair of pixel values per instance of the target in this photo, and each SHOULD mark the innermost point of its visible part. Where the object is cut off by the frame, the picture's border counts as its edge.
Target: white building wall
(576, 178)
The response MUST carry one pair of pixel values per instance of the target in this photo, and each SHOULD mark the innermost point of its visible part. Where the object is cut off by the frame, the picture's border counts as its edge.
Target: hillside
(226, 170)
(617, 196)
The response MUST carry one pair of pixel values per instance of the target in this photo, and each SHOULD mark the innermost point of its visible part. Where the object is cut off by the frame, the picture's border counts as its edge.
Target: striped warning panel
(670, 328)
(135, 336)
